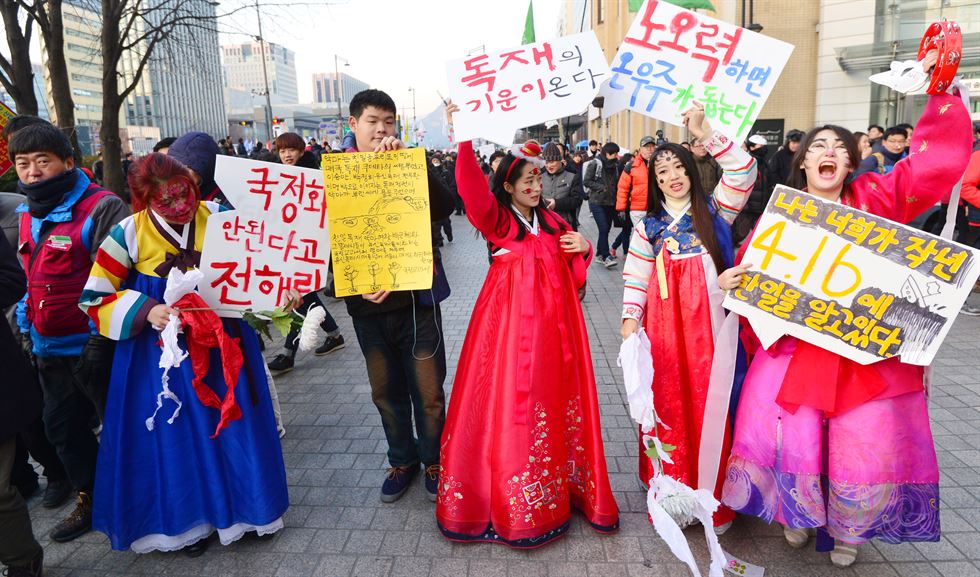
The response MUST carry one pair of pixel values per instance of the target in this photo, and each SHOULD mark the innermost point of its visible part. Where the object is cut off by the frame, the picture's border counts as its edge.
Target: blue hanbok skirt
(166, 488)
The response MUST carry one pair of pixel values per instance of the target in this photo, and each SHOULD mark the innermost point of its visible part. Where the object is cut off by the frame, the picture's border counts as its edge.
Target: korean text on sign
(851, 282)
(501, 92)
(380, 228)
(277, 238)
(671, 57)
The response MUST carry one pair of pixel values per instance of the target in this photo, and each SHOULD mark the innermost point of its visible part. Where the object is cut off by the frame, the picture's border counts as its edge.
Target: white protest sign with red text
(672, 57)
(501, 92)
(275, 239)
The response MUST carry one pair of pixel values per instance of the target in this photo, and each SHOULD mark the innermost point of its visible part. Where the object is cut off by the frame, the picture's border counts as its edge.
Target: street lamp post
(338, 88)
(414, 125)
(265, 76)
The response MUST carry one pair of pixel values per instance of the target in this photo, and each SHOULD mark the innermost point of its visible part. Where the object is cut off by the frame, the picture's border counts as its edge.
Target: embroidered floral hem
(854, 513)
(490, 535)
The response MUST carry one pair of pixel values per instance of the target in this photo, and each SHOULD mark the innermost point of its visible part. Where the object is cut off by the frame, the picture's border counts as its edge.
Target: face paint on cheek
(527, 191)
(176, 204)
(180, 212)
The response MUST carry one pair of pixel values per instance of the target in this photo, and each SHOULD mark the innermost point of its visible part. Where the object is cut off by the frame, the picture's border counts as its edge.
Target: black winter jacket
(20, 396)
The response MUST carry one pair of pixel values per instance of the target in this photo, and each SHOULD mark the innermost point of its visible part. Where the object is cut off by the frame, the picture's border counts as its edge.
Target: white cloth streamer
(949, 227)
(179, 284)
(700, 504)
(717, 402)
(315, 315)
(668, 500)
(637, 364)
(906, 77)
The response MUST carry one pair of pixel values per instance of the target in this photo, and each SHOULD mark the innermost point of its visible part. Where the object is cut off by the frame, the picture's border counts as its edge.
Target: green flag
(528, 37)
(693, 4)
(635, 5)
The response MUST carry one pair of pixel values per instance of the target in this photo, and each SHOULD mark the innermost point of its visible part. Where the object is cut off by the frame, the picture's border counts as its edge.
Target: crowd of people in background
(527, 202)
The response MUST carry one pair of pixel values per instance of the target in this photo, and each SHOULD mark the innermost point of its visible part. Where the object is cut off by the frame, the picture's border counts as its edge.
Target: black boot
(76, 524)
(56, 493)
(195, 550)
(35, 569)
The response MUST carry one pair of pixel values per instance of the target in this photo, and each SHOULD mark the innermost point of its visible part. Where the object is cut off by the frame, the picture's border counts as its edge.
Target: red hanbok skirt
(682, 345)
(522, 443)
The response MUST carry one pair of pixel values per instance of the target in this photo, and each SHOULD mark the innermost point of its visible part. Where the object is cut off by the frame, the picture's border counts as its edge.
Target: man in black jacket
(448, 178)
(781, 164)
(601, 180)
(400, 332)
(560, 188)
(20, 406)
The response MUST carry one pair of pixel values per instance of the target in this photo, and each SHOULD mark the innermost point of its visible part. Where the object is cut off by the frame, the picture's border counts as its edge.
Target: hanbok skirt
(869, 472)
(166, 488)
(680, 327)
(522, 444)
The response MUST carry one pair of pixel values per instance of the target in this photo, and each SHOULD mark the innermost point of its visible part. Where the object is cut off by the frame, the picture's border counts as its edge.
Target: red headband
(946, 37)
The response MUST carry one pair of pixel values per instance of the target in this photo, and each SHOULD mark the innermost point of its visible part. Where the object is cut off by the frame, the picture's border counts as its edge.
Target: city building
(838, 44)
(42, 101)
(247, 120)
(186, 63)
(325, 87)
(243, 70)
(180, 90)
(858, 39)
(83, 56)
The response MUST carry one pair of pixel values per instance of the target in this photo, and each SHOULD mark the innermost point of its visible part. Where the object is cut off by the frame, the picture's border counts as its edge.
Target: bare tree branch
(17, 76)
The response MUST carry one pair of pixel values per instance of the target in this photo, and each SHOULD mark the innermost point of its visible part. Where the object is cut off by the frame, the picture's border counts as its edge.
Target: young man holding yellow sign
(400, 332)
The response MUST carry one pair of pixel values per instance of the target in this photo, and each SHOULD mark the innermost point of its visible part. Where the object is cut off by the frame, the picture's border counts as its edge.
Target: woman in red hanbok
(522, 443)
(672, 265)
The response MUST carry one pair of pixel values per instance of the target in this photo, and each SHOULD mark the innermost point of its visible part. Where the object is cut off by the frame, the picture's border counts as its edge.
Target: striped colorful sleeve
(636, 274)
(739, 171)
(117, 313)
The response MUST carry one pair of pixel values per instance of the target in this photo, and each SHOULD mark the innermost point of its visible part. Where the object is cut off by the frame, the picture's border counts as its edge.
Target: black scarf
(45, 196)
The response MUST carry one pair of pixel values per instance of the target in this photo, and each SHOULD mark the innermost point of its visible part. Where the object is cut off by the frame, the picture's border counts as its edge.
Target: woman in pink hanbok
(822, 442)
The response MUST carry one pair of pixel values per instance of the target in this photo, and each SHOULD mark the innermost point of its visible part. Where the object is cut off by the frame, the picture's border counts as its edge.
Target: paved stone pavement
(335, 456)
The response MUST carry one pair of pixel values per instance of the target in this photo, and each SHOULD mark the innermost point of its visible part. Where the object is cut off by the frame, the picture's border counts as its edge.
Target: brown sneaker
(35, 569)
(76, 524)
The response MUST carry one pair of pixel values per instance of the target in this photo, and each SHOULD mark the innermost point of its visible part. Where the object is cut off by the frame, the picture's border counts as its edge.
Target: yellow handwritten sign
(380, 230)
(851, 282)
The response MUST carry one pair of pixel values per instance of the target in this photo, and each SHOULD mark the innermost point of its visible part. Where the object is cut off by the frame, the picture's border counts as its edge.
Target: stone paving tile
(335, 454)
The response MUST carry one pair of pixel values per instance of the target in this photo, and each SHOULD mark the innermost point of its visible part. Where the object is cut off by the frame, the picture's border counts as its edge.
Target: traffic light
(276, 120)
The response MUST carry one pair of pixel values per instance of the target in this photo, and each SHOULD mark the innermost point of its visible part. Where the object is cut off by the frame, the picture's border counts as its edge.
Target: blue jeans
(406, 365)
(623, 240)
(603, 220)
